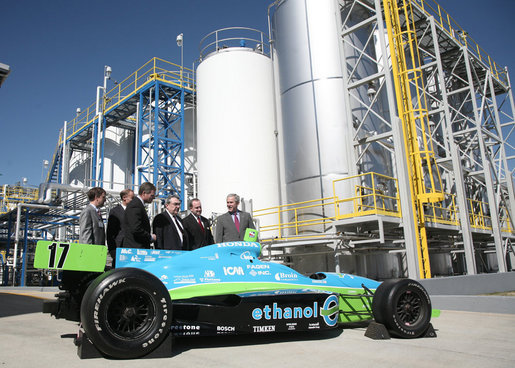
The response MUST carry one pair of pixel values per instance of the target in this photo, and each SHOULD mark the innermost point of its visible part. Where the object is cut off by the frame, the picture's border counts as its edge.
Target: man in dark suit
(168, 227)
(136, 224)
(115, 221)
(231, 226)
(197, 226)
(91, 224)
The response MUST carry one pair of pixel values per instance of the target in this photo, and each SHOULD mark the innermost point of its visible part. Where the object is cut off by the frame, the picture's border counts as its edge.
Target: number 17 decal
(53, 251)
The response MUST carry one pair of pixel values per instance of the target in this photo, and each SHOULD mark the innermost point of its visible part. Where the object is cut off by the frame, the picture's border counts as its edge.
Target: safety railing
(231, 37)
(453, 30)
(444, 212)
(11, 195)
(309, 219)
(373, 194)
(153, 69)
(479, 216)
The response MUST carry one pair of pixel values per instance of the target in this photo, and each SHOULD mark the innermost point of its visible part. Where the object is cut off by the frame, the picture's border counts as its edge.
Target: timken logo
(264, 328)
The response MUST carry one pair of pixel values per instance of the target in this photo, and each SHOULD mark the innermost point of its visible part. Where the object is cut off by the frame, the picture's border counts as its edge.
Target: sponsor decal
(314, 326)
(246, 255)
(135, 259)
(123, 257)
(155, 252)
(209, 277)
(291, 326)
(277, 313)
(330, 310)
(260, 273)
(126, 251)
(319, 281)
(232, 271)
(163, 277)
(283, 276)
(259, 266)
(238, 244)
(149, 259)
(141, 252)
(185, 328)
(264, 328)
(209, 273)
(184, 279)
(225, 329)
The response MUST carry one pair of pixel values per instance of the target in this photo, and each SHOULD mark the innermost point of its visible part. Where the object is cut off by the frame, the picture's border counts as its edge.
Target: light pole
(180, 42)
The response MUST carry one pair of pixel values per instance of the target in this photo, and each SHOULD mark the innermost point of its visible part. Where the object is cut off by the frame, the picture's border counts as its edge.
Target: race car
(128, 311)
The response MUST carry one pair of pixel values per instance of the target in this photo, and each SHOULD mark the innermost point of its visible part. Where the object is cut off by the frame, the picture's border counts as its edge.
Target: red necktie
(200, 223)
(237, 222)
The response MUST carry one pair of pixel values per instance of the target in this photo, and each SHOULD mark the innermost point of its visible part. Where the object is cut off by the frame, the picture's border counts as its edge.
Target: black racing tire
(126, 313)
(403, 306)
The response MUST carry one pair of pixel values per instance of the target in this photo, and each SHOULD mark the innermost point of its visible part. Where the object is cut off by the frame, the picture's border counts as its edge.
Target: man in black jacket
(197, 226)
(168, 227)
(115, 222)
(136, 224)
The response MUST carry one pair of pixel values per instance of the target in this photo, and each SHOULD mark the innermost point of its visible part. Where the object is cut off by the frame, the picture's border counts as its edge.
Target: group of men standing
(129, 226)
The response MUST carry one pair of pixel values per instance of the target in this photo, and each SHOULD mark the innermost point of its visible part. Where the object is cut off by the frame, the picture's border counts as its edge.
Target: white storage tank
(236, 139)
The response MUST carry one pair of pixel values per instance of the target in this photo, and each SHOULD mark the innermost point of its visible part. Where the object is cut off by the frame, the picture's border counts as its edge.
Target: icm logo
(209, 273)
(231, 271)
(329, 311)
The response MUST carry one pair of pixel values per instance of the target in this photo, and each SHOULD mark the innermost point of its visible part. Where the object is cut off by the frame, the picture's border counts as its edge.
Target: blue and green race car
(128, 311)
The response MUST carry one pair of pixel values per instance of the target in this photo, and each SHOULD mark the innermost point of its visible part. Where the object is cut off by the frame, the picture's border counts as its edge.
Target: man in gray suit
(231, 226)
(91, 223)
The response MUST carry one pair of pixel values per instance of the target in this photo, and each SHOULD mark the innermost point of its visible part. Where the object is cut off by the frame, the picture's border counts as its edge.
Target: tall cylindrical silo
(236, 141)
(316, 135)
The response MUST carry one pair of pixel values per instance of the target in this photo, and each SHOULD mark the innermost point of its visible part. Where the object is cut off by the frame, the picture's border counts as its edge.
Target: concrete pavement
(465, 339)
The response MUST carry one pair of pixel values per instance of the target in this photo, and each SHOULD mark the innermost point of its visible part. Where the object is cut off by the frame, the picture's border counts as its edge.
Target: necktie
(179, 226)
(237, 222)
(200, 223)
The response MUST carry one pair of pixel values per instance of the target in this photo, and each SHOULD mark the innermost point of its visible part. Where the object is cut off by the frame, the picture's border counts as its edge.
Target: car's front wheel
(403, 306)
(126, 313)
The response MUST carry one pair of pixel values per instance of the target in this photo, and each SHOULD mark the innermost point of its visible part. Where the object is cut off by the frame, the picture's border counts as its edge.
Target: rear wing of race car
(54, 255)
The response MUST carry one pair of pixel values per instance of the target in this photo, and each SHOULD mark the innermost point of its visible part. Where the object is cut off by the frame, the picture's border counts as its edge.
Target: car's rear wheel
(403, 306)
(126, 313)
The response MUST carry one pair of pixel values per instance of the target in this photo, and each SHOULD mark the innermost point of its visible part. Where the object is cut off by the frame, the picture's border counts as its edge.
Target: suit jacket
(167, 236)
(114, 229)
(91, 227)
(136, 225)
(225, 229)
(198, 237)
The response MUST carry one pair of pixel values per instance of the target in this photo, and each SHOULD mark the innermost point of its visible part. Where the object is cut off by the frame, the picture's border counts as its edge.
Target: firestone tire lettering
(126, 313)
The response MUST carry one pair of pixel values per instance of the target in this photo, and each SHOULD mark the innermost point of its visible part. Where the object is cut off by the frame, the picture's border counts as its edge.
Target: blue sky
(57, 50)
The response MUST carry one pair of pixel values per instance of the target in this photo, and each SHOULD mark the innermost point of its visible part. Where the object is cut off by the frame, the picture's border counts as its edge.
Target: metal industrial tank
(318, 135)
(315, 133)
(236, 141)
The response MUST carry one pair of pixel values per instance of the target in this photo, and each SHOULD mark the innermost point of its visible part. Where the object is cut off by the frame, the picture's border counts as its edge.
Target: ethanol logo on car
(328, 311)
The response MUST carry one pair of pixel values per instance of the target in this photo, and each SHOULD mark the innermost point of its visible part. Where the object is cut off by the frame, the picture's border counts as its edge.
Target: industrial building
(365, 136)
